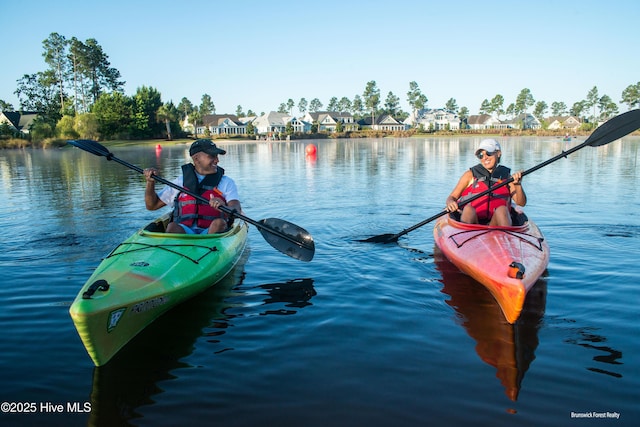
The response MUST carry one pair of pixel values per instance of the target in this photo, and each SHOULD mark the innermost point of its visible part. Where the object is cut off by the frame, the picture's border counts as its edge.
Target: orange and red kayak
(508, 261)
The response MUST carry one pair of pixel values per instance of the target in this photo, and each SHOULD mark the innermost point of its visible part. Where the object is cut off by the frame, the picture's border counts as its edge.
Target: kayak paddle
(610, 131)
(286, 237)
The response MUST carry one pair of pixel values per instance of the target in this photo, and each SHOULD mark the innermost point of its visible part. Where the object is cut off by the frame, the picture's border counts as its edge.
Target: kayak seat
(518, 218)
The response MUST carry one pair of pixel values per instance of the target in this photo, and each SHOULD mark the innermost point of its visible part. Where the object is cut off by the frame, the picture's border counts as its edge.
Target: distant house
(383, 122)
(328, 120)
(563, 122)
(298, 125)
(222, 124)
(523, 121)
(484, 121)
(435, 119)
(18, 121)
(271, 123)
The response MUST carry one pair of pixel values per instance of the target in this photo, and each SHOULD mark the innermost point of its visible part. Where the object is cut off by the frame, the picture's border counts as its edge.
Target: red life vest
(190, 211)
(482, 179)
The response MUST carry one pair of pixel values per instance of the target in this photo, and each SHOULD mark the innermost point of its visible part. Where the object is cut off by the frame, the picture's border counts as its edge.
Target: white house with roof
(328, 120)
(484, 121)
(271, 123)
(523, 121)
(563, 122)
(222, 124)
(298, 125)
(434, 119)
(384, 122)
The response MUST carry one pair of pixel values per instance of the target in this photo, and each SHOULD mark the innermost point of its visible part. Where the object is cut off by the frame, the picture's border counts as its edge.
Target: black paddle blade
(381, 238)
(288, 238)
(615, 128)
(91, 146)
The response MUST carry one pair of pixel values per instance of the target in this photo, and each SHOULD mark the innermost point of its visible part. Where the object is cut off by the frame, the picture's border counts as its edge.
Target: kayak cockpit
(159, 225)
(518, 219)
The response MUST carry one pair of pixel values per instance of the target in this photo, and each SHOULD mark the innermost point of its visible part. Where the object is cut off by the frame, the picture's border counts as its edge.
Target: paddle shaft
(593, 140)
(224, 209)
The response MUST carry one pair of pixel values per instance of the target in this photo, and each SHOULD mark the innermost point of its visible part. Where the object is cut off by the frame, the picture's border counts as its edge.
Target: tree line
(81, 95)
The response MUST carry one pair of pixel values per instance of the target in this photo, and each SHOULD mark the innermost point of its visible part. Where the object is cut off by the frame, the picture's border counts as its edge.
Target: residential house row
(274, 123)
(443, 119)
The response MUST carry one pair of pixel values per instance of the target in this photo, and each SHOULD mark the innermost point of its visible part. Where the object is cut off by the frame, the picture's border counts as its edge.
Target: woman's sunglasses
(481, 154)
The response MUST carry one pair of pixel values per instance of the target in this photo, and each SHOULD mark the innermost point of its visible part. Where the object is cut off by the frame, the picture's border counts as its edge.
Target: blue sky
(260, 53)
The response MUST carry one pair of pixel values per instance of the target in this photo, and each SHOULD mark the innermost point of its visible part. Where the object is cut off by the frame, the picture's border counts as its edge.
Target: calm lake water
(365, 334)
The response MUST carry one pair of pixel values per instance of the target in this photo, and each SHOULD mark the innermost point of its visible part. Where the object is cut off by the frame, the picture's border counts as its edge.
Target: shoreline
(60, 143)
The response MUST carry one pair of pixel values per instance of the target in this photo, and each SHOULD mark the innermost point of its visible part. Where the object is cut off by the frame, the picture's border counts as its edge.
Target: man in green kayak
(203, 177)
(492, 209)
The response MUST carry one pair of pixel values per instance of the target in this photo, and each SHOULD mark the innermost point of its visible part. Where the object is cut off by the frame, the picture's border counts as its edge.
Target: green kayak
(145, 276)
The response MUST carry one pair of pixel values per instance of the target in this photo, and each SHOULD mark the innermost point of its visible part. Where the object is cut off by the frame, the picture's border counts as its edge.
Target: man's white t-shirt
(226, 186)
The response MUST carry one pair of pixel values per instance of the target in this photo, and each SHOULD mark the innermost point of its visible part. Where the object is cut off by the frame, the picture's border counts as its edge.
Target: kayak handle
(516, 270)
(101, 285)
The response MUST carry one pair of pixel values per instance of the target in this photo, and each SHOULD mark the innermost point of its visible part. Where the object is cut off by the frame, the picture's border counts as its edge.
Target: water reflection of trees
(81, 181)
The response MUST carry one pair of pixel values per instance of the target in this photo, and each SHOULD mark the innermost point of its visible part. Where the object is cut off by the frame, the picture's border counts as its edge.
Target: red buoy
(311, 149)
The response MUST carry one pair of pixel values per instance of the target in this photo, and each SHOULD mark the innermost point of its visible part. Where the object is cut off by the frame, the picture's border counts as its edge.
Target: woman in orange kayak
(492, 209)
